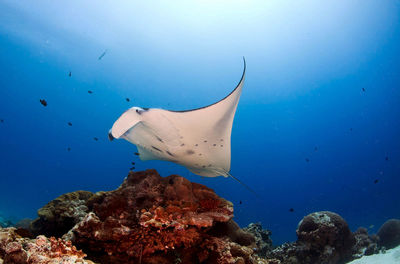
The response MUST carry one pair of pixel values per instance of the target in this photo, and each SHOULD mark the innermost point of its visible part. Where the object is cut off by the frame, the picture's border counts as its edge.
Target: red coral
(209, 204)
(149, 215)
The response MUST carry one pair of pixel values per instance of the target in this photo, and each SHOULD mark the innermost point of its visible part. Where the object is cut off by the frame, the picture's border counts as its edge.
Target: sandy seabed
(391, 256)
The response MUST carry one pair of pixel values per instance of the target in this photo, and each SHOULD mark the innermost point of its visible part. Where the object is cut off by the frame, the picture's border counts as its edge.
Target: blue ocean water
(317, 126)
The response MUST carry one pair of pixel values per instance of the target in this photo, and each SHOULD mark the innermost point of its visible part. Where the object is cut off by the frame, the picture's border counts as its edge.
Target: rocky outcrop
(61, 214)
(328, 234)
(389, 234)
(15, 249)
(323, 237)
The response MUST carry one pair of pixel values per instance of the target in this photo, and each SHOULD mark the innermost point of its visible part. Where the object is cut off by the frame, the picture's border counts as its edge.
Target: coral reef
(262, 236)
(389, 234)
(42, 250)
(61, 214)
(150, 219)
(323, 237)
(365, 244)
(328, 234)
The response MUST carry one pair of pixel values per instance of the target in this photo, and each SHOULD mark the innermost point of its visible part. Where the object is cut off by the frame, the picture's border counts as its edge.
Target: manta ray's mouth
(110, 136)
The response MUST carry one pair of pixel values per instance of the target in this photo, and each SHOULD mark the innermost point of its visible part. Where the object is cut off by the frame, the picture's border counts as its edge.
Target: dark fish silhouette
(132, 168)
(68, 149)
(70, 74)
(133, 163)
(291, 210)
(386, 158)
(240, 202)
(127, 99)
(376, 181)
(95, 138)
(90, 91)
(102, 55)
(137, 154)
(69, 123)
(43, 102)
(307, 160)
(1, 120)
(363, 89)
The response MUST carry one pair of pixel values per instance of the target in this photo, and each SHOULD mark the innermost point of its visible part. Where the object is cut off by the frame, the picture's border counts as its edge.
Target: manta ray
(199, 139)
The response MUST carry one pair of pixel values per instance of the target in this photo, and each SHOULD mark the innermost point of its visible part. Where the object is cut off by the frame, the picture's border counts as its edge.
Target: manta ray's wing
(205, 134)
(199, 139)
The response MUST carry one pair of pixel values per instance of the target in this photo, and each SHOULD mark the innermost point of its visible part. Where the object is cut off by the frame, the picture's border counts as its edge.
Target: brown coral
(323, 237)
(389, 234)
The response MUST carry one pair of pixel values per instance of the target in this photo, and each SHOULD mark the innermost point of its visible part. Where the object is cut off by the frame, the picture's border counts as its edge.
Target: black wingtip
(237, 86)
(244, 67)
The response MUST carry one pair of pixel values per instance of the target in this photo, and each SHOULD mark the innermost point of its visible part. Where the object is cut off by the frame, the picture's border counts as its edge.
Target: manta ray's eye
(141, 110)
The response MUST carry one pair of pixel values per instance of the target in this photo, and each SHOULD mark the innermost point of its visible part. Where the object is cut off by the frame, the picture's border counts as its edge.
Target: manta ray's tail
(247, 187)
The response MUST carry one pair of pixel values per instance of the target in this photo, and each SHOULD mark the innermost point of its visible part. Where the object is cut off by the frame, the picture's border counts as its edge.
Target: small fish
(69, 123)
(70, 74)
(95, 138)
(127, 99)
(307, 160)
(90, 92)
(68, 149)
(386, 158)
(363, 89)
(43, 102)
(240, 202)
(133, 163)
(132, 168)
(1, 121)
(102, 55)
(137, 154)
(371, 226)
(376, 181)
(291, 210)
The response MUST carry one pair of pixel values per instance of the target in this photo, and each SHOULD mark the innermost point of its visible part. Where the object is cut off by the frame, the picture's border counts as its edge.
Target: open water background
(303, 99)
